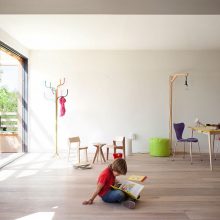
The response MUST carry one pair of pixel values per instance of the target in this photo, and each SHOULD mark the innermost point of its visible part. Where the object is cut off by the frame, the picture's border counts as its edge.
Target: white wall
(117, 92)
(7, 39)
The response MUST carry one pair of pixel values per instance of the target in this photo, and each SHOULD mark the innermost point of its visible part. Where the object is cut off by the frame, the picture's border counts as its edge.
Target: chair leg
(190, 152)
(79, 156)
(124, 153)
(217, 150)
(213, 144)
(214, 150)
(100, 154)
(174, 151)
(199, 152)
(69, 154)
(107, 153)
(184, 151)
(87, 156)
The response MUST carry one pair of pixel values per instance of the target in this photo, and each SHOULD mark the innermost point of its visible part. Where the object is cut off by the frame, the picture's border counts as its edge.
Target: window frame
(24, 62)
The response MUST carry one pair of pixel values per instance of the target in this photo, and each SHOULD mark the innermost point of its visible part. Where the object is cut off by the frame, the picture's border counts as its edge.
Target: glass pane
(10, 104)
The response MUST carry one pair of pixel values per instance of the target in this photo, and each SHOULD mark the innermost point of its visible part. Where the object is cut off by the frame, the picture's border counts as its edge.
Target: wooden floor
(6, 158)
(44, 188)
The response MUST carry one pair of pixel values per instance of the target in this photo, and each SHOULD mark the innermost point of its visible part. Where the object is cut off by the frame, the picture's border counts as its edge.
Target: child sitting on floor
(108, 178)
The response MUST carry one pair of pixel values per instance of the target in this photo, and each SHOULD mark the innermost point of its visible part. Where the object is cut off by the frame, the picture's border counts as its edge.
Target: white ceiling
(150, 7)
(156, 32)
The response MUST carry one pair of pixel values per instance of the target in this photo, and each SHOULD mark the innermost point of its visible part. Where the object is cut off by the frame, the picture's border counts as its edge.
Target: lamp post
(172, 78)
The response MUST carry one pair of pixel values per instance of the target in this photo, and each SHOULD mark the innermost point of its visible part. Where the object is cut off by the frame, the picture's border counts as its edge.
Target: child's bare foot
(130, 204)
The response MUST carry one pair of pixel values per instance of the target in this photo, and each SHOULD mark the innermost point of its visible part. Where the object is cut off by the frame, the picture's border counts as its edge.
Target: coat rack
(55, 91)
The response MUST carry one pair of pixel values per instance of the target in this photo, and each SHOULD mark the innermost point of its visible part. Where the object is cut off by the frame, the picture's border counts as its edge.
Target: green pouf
(159, 147)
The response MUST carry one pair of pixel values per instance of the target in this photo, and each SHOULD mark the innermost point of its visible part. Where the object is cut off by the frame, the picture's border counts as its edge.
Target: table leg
(210, 150)
(96, 154)
(103, 157)
(99, 155)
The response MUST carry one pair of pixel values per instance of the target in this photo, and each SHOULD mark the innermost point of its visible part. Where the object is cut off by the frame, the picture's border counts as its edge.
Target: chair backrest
(179, 127)
(119, 141)
(74, 140)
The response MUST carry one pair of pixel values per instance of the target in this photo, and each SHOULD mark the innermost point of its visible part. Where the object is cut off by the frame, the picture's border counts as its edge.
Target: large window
(13, 104)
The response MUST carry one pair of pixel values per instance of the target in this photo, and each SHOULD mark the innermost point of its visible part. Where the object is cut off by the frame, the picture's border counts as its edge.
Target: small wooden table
(99, 152)
(209, 132)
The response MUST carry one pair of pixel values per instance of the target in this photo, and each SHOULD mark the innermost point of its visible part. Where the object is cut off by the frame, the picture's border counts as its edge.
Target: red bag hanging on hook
(62, 107)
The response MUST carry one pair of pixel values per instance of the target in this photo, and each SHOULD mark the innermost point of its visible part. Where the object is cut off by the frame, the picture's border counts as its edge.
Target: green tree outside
(8, 101)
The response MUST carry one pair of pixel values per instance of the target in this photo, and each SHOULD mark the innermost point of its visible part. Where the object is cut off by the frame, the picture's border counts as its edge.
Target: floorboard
(38, 186)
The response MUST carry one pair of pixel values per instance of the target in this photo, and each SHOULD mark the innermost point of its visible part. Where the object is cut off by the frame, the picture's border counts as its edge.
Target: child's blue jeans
(113, 196)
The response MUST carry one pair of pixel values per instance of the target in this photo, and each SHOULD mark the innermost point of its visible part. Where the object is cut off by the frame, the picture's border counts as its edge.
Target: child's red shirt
(106, 178)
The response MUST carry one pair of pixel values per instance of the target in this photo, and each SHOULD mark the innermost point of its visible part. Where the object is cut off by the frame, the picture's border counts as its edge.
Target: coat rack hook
(63, 95)
(47, 85)
(62, 83)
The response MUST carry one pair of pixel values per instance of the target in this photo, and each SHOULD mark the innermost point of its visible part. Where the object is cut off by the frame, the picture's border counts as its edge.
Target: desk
(209, 132)
(99, 152)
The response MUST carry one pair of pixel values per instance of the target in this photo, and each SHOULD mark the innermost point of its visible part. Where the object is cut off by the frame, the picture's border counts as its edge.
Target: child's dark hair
(119, 165)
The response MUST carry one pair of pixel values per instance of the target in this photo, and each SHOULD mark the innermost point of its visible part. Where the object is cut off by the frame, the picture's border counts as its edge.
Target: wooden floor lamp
(172, 78)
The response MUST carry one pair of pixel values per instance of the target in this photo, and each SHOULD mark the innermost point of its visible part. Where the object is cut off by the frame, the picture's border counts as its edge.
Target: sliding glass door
(13, 105)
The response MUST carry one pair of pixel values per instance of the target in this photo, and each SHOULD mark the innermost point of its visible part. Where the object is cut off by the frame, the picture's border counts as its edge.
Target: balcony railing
(8, 121)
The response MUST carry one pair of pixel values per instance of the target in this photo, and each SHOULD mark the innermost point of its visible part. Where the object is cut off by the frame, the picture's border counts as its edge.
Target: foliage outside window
(8, 101)
(8, 92)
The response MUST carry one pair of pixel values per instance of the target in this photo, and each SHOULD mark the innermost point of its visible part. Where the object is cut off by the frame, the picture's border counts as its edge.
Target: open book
(137, 178)
(132, 189)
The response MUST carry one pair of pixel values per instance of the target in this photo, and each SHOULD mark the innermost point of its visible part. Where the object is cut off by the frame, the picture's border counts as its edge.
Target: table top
(99, 144)
(205, 129)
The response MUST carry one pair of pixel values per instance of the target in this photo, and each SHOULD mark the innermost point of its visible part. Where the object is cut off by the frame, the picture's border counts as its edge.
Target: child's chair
(118, 143)
(76, 140)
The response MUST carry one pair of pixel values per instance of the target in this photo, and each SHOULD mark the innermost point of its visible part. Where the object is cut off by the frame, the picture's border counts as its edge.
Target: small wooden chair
(118, 143)
(77, 140)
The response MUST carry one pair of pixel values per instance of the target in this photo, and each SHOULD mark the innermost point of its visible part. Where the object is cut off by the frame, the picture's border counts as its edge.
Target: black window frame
(24, 94)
